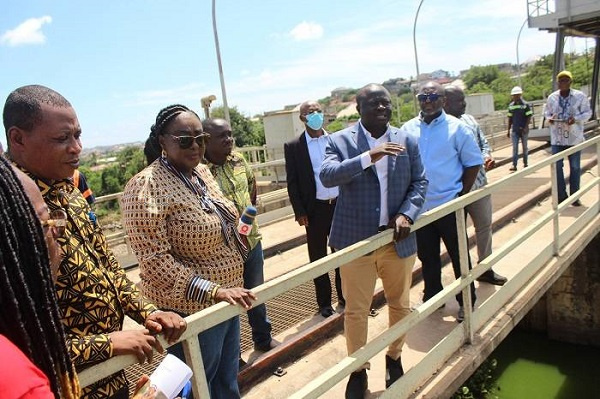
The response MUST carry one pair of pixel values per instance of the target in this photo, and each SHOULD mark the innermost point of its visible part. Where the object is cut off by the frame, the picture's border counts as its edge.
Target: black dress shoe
(357, 385)
(272, 344)
(492, 277)
(576, 203)
(326, 311)
(393, 370)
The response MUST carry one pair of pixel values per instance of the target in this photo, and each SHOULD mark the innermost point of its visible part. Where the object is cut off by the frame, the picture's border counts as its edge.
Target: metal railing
(538, 8)
(264, 200)
(460, 335)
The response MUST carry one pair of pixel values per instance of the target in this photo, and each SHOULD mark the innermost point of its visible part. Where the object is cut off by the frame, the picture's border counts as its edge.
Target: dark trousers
(253, 277)
(317, 232)
(428, 251)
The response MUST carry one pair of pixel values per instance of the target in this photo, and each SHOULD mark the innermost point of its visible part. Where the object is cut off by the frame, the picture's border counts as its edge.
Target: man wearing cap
(566, 110)
(519, 114)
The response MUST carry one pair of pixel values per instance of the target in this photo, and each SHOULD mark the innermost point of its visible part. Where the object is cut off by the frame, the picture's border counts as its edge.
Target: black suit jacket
(301, 185)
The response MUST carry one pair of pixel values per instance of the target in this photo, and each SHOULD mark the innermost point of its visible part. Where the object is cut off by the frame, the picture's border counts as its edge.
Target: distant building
(439, 74)
(340, 92)
(397, 86)
(480, 104)
(280, 127)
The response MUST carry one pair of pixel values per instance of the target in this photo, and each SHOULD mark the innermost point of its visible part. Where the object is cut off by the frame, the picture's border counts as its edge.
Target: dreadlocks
(29, 316)
(152, 148)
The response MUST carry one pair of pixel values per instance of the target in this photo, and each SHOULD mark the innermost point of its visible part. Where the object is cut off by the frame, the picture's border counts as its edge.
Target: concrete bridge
(534, 249)
(549, 252)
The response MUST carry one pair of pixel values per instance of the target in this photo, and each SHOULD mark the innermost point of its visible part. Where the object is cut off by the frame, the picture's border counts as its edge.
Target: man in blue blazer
(382, 185)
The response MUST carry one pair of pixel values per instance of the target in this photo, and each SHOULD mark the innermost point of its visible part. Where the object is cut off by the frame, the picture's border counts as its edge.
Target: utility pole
(214, 21)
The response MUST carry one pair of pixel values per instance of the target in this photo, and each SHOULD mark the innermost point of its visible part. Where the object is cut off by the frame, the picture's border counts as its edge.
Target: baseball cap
(516, 90)
(564, 73)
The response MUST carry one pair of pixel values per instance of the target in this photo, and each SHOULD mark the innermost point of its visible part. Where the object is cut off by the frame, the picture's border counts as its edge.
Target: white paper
(170, 376)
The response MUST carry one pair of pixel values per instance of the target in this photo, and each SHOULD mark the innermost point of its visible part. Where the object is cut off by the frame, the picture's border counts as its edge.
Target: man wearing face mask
(313, 203)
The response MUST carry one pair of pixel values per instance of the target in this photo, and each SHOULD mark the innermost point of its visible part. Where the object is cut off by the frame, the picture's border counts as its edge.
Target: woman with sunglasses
(183, 232)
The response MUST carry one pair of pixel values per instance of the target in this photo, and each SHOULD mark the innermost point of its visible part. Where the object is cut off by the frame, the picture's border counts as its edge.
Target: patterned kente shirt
(93, 292)
(180, 246)
(237, 181)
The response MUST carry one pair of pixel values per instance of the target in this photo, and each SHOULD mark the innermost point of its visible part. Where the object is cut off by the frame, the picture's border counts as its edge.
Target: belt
(330, 201)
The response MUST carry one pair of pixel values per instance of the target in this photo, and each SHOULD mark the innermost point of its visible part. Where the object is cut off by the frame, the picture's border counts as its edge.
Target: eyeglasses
(428, 97)
(186, 142)
(57, 223)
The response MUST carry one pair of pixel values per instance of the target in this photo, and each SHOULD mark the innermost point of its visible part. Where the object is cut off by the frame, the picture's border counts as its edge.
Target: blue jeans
(220, 347)
(515, 147)
(253, 277)
(574, 172)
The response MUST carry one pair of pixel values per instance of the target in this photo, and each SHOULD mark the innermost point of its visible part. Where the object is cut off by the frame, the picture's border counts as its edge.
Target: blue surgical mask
(314, 120)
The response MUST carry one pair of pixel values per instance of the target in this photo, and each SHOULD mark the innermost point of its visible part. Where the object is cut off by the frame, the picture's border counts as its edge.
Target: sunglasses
(186, 142)
(428, 97)
(57, 223)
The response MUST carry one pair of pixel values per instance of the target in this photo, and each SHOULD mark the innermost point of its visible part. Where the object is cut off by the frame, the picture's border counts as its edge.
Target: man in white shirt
(313, 203)
(566, 110)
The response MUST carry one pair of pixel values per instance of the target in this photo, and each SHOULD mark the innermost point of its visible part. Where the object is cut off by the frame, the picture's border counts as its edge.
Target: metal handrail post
(463, 251)
(554, 184)
(191, 349)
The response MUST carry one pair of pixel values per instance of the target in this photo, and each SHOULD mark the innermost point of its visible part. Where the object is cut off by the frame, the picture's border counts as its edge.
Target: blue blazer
(356, 214)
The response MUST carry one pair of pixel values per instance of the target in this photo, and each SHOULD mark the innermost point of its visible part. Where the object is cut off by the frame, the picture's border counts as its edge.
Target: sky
(120, 62)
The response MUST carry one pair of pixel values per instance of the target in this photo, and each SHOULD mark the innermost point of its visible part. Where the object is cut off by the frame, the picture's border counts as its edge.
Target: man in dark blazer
(313, 203)
(382, 185)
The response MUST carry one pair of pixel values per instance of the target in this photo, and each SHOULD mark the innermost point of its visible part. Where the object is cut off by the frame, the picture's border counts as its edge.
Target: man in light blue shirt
(452, 160)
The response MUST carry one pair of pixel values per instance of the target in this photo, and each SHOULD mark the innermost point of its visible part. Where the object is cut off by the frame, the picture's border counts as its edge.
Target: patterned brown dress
(176, 240)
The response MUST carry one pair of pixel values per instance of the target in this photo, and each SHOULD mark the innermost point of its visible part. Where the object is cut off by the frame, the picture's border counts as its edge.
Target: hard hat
(564, 73)
(516, 90)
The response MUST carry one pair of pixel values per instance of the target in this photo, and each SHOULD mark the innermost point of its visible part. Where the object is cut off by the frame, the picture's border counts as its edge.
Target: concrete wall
(570, 310)
(281, 127)
(480, 104)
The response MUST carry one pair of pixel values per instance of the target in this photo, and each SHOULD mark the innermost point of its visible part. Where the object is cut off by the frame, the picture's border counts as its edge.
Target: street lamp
(214, 21)
(518, 62)
(205, 102)
(415, 47)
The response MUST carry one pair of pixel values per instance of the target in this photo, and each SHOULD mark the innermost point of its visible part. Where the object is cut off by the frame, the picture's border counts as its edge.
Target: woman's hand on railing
(236, 295)
(169, 324)
(135, 342)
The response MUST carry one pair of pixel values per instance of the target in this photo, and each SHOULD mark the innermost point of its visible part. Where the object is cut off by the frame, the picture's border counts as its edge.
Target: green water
(530, 366)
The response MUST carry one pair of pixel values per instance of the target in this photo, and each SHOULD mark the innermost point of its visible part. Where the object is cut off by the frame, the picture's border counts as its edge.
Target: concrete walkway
(506, 203)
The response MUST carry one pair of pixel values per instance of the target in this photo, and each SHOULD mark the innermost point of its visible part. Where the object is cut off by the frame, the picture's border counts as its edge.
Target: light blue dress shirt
(447, 147)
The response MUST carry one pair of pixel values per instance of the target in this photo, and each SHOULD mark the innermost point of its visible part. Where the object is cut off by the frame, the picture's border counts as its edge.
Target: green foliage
(481, 384)
(112, 178)
(481, 74)
(245, 131)
(335, 126)
(536, 80)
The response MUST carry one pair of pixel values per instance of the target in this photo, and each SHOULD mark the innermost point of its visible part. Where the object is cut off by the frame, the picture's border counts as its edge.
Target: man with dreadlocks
(93, 292)
(35, 360)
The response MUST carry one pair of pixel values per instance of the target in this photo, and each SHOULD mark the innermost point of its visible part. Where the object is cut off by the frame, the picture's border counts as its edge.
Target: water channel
(531, 366)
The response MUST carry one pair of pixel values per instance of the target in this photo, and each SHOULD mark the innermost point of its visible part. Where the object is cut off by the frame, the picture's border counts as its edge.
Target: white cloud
(188, 94)
(307, 31)
(28, 32)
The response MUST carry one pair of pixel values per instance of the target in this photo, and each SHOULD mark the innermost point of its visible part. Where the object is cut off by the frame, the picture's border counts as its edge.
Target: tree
(481, 74)
(245, 131)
